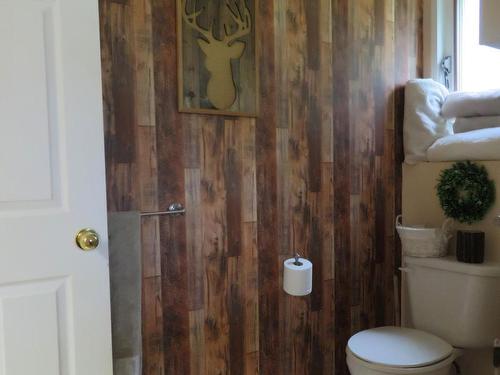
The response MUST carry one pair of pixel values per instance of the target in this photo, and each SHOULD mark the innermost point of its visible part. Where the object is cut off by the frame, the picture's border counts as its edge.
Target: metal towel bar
(175, 209)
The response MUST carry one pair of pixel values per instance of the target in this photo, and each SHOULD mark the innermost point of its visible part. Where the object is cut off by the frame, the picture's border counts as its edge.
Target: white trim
(459, 54)
(439, 37)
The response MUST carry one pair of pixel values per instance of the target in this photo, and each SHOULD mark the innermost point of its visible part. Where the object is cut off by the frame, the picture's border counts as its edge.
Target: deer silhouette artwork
(221, 89)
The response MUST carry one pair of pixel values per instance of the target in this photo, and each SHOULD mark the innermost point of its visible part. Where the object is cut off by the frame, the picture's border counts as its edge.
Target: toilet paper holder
(297, 260)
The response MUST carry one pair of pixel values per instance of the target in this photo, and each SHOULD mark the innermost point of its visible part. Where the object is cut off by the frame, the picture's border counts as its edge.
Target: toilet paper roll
(297, 279)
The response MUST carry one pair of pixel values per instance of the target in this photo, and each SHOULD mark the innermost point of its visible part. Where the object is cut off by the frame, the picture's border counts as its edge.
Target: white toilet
(452, 306)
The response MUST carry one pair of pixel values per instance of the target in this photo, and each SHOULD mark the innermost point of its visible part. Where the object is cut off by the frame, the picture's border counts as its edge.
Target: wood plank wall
(317, 172)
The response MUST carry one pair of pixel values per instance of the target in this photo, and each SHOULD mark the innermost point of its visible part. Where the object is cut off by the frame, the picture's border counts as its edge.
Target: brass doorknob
(87, 239)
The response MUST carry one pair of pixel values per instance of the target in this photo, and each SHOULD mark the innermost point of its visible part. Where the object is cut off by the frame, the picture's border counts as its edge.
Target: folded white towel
(482, 144)
(467, 124)
(470, 104)
(423, 123)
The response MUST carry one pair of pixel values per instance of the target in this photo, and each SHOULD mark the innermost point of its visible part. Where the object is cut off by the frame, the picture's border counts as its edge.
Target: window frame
(440, 19)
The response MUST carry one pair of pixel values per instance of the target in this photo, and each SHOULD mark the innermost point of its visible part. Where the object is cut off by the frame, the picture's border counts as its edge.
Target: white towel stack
(473, 110)
(423, 122)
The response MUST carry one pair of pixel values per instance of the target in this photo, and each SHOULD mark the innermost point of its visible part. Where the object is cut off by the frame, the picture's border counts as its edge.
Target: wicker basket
(418, 241)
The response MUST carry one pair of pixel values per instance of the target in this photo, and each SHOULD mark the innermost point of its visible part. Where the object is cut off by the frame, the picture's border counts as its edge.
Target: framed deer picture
(217, 67)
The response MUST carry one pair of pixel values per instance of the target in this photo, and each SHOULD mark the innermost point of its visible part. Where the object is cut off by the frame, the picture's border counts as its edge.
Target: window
(478, 65)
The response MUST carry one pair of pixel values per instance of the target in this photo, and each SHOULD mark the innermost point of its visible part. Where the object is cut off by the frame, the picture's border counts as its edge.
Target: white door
(54, 297)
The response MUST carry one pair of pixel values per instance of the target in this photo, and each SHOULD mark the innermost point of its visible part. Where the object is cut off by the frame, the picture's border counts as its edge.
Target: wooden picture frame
(217, 57)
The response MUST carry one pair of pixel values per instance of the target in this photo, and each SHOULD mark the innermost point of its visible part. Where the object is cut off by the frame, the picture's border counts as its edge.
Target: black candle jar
(470, 246)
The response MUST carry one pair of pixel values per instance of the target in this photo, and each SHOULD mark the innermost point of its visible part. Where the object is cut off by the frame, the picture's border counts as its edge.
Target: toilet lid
(399, 347)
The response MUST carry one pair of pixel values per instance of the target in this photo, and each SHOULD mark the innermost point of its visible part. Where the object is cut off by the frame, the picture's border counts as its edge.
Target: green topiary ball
(465, 192)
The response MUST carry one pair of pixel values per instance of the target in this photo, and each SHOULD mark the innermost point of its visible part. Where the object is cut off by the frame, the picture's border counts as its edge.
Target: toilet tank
(458, 302)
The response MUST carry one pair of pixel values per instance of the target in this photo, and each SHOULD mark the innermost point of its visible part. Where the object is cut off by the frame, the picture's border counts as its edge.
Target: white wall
(421, 204)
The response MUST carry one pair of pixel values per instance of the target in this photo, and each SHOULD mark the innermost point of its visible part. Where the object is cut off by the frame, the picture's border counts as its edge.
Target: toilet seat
(359, 367)
(398, 347)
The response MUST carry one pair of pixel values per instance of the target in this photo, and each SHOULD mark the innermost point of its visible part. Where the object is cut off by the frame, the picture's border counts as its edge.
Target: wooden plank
(150, 243)
(315, 255)
(316, 360)
(237, 310)
(402, 37)
(213, 197)
(152, 327)
(248, 71)
(197, 342)
(147, 166)
(380, 104)
(175, 296)
(283, 190)
(312, 12)
(298, 180)
(300, 335)
(327, 223)
(265, 139)
(122, 83)
(175, 288)
(281, 60)
(314, 131)
(192, 146)
(381, 192)
(106, 65)
(390, 247)
(364, 144)
(303, 178)
(285, 327)
(327, 327)
(122, 186)
(119, 117)
(389, 63)
(170, 136)
(194, 239)
(355, 243)
(250, 290)
(189, 62)
(144, 66)
(341, 172)
(325, 79)
(233, 186)
(248, 180)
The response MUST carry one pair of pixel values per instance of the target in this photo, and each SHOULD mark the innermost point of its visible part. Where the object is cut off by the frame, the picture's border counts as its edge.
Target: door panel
(28, 81)
(41, 307)
(54, 297)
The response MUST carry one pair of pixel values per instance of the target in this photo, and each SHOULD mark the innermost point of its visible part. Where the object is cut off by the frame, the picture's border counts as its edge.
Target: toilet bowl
(395, 350)
(450, 304)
